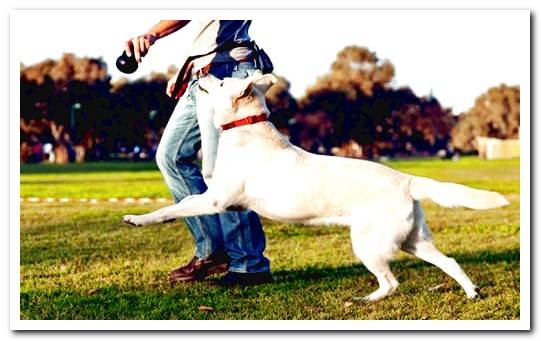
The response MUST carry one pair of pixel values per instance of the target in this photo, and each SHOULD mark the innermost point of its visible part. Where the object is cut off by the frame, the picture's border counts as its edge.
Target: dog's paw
(133, 220)
(360, 299)
(368, 298)
(475, 294)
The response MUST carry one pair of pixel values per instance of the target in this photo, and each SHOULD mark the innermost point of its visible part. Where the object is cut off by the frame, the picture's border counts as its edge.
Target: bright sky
(456, 55)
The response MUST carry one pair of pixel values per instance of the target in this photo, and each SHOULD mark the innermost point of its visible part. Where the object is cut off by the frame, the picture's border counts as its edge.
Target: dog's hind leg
(376, 258)
(419, 243)
(193, 205)
(428, 252)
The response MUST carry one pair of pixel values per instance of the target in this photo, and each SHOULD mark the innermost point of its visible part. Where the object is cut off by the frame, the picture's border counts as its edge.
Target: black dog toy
(126, 64)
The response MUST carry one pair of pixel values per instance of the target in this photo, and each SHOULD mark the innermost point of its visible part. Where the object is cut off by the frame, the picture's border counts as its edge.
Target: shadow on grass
(159, 300)
(94, 167)
(318, 273)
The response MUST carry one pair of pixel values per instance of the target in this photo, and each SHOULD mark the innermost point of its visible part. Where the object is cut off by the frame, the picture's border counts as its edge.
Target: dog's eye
(221, 84)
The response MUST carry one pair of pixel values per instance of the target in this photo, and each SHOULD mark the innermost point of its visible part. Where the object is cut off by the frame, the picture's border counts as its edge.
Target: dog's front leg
(193, 205)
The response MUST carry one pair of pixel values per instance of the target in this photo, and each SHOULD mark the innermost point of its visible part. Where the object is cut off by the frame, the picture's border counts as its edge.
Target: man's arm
(142, 43)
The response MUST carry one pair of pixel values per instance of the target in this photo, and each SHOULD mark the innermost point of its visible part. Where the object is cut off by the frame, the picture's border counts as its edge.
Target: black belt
(202, 72)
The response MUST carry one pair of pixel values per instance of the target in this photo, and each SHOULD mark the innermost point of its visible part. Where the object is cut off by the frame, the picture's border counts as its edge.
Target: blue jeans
(240, 234)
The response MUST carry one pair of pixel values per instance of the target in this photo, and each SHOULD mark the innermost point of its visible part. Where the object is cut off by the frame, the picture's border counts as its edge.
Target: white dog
(257, 168)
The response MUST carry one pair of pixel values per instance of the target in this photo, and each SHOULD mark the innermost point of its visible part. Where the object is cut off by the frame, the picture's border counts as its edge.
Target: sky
(454, 55)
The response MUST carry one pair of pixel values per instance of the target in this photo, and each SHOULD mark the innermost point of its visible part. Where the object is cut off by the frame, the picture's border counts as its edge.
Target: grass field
(79, 261)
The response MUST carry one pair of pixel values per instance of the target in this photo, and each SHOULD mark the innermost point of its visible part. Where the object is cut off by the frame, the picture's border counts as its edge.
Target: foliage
(496, 113)
(281, 103)
(356, 102)
(71, 103)
(75, 97)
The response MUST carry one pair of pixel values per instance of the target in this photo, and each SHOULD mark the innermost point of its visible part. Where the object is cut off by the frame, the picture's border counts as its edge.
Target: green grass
(93, 180)
(78, 261)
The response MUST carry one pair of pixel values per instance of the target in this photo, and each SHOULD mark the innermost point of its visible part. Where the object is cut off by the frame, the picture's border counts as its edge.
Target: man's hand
(140, 45)
(171, 84)
(183, 81)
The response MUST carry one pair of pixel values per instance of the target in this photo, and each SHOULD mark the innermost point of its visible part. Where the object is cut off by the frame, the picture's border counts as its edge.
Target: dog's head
(233, 98)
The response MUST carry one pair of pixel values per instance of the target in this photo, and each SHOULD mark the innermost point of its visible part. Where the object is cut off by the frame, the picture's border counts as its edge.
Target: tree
(137, 107)
(355, 71)
(281, 104)
(355, 98)
(54, 89)
(495, 113)
(76, 94)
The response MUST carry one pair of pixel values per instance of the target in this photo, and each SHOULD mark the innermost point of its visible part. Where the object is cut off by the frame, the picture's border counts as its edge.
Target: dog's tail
(448, 194)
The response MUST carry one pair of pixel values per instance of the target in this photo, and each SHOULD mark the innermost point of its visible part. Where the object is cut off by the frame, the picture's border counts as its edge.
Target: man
(233, 241)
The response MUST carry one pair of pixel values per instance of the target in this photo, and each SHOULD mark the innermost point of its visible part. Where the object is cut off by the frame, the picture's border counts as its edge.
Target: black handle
(126, 64)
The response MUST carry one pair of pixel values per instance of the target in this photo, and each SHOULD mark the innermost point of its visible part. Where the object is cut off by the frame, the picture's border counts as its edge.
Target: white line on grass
(143, 200)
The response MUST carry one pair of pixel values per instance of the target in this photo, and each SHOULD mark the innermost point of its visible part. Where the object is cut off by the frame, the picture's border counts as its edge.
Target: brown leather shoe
(198, 269)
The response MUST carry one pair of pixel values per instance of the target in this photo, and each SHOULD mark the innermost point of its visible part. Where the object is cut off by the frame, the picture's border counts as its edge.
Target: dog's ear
(208, 83)
(257, 80)
(246, 89)
(264, 82)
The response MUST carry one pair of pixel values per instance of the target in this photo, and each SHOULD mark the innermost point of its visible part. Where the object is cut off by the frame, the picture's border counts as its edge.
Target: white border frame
(17, 324)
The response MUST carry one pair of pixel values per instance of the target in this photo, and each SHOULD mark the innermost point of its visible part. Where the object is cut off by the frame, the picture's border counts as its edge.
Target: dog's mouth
(202, 89)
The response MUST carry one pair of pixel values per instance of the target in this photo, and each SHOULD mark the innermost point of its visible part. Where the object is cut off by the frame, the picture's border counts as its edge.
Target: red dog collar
(245, 121)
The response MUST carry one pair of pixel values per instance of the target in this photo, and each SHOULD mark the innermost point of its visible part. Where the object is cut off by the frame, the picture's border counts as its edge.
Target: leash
(185, 73)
